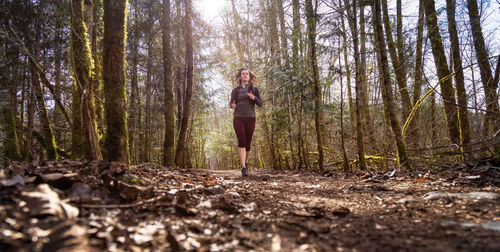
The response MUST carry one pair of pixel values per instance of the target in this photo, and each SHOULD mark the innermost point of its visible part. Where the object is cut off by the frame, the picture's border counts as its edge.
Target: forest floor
(77, 206)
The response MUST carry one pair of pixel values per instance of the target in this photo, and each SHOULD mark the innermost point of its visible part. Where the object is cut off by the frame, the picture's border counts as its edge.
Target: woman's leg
(239, 129)
(249, 129)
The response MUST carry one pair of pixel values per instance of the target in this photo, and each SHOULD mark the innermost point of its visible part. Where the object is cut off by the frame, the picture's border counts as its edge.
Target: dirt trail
(197, 210)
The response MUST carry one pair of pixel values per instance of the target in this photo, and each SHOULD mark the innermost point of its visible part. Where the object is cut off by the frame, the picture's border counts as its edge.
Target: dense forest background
(347, 84)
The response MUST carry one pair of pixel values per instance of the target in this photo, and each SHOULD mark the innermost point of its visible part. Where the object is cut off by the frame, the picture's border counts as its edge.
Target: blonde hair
(253, 77)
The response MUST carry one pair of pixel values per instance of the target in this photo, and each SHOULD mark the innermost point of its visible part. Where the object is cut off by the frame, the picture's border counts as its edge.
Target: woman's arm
(258, 99)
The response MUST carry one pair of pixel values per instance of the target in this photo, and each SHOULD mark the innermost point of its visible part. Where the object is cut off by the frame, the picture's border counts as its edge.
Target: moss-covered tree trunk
(463, 114)
(114, 80)
(384, 72)
(492, 120)
(311, 17)
(84, 134)
(447, 90)
(188, 39)
(169, 143)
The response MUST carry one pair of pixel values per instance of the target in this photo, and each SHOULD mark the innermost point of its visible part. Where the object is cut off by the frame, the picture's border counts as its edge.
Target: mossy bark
(116, 142)
(84, 133)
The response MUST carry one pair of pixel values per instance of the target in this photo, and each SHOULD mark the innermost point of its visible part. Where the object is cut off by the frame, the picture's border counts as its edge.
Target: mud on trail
(77, 206)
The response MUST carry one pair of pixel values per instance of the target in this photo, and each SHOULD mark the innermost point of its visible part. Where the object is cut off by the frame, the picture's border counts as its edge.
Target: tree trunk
(188, 39)
(85, 143)
(49, 141)
(318, 113)
(178, 71)
(365, 111)
(8, 123)
(134, 86)
(359, 131)
(114, 80)
(447, 90)
(397, 63)
(492, 121)
(417, 83)
(389, 107)
(169, 143)
(149, 89)
(352, 109)
(463, 114)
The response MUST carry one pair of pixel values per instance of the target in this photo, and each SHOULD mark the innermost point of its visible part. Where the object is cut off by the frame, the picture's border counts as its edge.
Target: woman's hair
(253, 78)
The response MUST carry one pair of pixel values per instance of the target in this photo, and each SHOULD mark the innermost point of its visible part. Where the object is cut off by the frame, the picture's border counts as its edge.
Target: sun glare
(210, 9)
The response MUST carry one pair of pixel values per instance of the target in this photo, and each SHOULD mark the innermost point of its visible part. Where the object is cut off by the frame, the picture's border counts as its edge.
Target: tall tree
(134, 109)
(389, 106)
(49, 142)
(150, 34)
(353, 24)
(115, 20)
(318, 113)
(463, 114)
(188, 39)
(492, 121)
(447, 90)
(169, 143)
(85, 143)
(417, 78)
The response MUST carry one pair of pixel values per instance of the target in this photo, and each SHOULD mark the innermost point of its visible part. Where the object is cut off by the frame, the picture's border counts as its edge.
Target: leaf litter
(96, 206)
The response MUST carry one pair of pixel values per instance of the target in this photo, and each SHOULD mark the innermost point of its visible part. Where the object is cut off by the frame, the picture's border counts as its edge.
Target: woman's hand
(233, 105)
(251, 96)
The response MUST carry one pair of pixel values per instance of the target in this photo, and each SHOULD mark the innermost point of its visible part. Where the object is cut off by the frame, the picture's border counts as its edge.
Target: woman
(243, 100)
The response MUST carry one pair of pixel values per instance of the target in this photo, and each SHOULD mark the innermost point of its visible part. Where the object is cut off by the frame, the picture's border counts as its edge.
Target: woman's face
(245, 76)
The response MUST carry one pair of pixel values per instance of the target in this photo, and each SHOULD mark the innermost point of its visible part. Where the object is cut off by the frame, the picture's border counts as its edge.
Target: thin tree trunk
(133, 119)
(49, 141)
(149, 89)
(237, 42)
(114, 80)
(169, 142)
(389, 107)
(352, 109)
(447, 90)
(492, 121)
(463, 114)
(178, 72)
(397, 63)
(318, 113)
(359, 131)
(417, 83)
(188, 39)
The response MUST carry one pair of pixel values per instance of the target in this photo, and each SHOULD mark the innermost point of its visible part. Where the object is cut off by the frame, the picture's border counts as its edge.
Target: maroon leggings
(244, 127)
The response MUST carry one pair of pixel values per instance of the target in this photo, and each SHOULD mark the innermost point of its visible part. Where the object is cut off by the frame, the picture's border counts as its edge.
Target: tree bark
(169, 143)
(237, 42)
(134, 107)
(311, 16)
(463, 114)
(84, 134)
(389, 107)
(447, 90)
(492, 121)
(397, 63)
(354, 31)
(417, 82)
(114, 80)
(188, 39)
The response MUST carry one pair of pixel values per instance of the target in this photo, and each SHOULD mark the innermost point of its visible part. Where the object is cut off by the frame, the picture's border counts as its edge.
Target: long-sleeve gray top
(245, 107)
